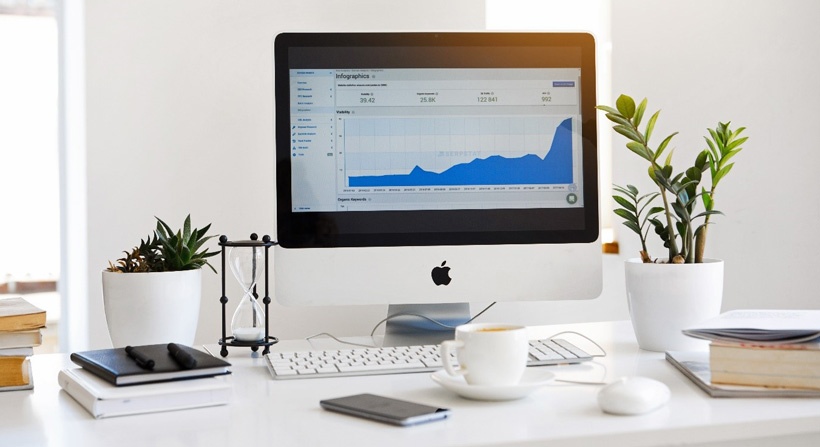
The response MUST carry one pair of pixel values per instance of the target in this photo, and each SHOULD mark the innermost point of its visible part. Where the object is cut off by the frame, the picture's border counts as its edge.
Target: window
(29, 180)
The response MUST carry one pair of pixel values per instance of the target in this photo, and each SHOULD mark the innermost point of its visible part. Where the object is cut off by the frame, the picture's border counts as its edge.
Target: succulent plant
(168, 251)
(677, 223)
(143, 258)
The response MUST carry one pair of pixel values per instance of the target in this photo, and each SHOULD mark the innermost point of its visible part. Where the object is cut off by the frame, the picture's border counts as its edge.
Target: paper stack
(20, 331)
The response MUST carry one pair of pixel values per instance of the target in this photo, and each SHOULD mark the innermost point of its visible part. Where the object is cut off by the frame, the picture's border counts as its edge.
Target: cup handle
(447, 347)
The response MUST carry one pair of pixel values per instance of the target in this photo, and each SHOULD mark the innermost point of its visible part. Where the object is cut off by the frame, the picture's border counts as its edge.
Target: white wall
(179, 120)
(754, 63)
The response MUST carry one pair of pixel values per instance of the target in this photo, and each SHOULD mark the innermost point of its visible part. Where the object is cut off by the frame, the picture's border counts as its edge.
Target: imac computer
(431, 170)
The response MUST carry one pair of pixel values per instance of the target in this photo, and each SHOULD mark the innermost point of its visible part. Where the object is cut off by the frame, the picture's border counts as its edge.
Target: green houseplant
(679, 225)
(168, 251)
(152, 294)
(665, 298)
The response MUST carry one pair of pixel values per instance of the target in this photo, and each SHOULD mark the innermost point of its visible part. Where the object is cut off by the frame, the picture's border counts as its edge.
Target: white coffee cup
(490, 354)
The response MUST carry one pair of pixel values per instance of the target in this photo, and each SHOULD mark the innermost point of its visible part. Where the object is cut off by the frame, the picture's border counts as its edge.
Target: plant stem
(700, 243)
(700, 240)
(673, 244)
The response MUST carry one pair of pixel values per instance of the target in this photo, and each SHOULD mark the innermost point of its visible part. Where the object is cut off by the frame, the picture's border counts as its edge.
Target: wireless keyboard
(398, 360)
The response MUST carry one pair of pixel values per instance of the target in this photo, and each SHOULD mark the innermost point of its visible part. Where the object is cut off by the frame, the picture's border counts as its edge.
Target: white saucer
(533, 379)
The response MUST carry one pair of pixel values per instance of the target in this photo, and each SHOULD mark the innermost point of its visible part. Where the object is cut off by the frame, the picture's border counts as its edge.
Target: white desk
(265, 412)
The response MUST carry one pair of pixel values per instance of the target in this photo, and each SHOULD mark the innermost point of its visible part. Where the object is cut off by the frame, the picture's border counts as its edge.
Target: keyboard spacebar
(377, 367)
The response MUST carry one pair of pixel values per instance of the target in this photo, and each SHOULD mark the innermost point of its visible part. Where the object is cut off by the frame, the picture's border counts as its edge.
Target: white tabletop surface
(268, 412)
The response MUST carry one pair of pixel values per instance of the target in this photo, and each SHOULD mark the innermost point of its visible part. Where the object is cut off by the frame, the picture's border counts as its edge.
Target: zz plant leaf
(678, 223)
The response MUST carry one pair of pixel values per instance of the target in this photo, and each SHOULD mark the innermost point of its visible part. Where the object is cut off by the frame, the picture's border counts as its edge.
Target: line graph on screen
(458, 151)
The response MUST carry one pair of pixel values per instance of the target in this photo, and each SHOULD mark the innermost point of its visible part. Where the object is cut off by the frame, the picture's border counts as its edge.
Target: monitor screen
(399, 155)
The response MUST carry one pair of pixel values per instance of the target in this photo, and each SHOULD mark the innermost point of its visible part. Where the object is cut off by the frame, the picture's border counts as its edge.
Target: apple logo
(441, 275)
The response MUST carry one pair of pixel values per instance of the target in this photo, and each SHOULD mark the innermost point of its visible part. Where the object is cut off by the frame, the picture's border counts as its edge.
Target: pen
(142, 361)
(184, 359)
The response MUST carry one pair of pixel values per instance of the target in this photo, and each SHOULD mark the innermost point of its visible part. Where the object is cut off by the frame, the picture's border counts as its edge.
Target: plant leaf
(625, 214)
(632, 226)
(640, 149)
(702, 159)
(608, 110)
(186, 228)
(626, 106)
(650, 126)
(707, 213)
(655, 210)
(722, 173)
(624, 189)
(628, 132)
(663, 144)
(708, 203)
(625, 203)
(639, 113)
(618, 119)
(694, 173)
(736, 143)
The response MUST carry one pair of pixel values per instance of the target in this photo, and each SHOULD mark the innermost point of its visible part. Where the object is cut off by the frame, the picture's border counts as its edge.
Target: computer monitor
(435, 168)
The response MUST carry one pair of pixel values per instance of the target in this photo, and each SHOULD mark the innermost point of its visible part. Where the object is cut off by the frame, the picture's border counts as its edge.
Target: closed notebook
(116, 367)
(102, 399)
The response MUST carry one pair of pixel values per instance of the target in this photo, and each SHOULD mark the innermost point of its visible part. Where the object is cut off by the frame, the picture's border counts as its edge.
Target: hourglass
(249, 325)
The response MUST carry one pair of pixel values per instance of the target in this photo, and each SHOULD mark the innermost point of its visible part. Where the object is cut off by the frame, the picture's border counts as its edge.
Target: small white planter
(152, 308)
(664, 299)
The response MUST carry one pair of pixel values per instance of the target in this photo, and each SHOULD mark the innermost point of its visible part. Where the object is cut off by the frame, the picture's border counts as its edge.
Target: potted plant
(664, 297)
(152, 294)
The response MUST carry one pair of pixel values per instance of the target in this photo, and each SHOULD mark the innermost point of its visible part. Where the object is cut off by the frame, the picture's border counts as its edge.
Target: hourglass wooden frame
(226, 340)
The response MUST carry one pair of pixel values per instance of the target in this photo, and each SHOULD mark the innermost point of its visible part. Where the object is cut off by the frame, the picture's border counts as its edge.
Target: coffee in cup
(488, 354)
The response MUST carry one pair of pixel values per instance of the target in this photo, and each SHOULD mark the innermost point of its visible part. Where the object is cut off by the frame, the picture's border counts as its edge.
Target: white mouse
(633, 395)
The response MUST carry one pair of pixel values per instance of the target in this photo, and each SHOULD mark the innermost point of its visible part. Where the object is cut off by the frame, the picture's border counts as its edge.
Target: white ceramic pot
(152, 308)
(664, 299)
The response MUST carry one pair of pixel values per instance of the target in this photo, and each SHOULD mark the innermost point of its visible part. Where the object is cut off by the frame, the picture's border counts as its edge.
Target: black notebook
(117, 367)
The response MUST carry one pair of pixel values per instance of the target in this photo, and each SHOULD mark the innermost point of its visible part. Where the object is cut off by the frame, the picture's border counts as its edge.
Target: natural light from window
(29, 176)
(30, 225)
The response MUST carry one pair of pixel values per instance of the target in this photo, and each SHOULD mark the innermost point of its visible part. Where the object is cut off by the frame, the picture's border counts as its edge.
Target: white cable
(339, 340)
(603, 351)
(394, 316)
(436, 322)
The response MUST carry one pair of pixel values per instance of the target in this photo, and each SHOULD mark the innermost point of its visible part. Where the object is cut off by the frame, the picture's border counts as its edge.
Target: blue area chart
(554, 168)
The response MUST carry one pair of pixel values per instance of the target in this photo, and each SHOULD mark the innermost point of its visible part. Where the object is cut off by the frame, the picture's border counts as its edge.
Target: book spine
(765, 361)
(95, 369)
(78, 392)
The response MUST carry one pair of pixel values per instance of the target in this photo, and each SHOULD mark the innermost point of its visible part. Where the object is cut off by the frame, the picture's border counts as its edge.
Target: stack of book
(778, 350)
(145, 379)
(787, 365)
(21, 324)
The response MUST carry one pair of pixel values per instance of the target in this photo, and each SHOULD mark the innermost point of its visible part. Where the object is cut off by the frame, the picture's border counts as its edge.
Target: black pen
(142, 361)
(184, 359)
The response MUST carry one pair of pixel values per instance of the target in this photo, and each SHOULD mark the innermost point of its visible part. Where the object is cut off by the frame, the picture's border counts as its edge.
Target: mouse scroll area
(633, 396)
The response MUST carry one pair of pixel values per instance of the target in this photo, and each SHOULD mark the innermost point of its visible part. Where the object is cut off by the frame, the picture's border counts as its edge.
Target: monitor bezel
(438, 227)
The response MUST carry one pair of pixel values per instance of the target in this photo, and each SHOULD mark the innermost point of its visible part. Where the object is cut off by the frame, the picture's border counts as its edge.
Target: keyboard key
(387, 367)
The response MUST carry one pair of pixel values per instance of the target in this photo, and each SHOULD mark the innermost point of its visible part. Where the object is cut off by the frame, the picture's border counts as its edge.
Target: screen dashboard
(420, 139)
(430, 139)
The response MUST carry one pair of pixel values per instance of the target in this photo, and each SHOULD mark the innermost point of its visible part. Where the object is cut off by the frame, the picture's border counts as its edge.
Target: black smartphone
(385, 409)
